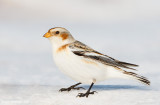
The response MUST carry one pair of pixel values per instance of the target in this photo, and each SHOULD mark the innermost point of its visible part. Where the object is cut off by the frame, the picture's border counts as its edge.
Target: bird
(84, 64)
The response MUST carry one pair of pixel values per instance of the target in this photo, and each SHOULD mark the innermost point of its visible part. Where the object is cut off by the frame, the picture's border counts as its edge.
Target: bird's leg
(87, 93)
(73, 87)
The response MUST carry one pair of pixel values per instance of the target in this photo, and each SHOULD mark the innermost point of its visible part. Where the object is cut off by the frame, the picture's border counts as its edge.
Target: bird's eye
(57, 32)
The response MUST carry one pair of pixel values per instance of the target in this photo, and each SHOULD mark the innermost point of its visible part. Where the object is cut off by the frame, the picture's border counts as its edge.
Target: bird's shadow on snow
(117, 87)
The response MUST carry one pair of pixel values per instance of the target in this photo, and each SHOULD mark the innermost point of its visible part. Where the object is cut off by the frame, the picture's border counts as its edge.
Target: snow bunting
(85, 65)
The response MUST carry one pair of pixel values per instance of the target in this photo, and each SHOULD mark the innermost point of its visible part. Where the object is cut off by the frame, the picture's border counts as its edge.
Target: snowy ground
(48, 95)
(128, 30)
(28, 75)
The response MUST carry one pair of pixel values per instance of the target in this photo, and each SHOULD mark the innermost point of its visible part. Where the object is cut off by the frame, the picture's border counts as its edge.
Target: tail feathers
(142, 79)
(127, 64)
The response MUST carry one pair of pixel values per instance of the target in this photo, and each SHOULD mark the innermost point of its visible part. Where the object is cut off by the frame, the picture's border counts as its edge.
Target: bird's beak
(47, 35)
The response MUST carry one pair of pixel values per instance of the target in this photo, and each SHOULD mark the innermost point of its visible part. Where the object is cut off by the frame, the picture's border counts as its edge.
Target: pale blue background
(128, 30)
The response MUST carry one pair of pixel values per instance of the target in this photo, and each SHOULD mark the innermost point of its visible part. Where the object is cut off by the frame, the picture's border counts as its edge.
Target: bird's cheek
(47, 35)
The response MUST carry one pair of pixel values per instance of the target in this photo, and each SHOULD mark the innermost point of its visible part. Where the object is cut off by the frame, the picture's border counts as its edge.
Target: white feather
(76, 67)
(79, 68)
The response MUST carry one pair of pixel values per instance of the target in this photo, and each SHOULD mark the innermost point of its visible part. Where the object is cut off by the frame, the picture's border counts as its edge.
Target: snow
(48, 95)
(128, 31)
(28, 75)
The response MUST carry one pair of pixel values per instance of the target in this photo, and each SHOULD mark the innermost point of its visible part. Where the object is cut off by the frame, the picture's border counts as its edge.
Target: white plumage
(83, 64)
(83, 70)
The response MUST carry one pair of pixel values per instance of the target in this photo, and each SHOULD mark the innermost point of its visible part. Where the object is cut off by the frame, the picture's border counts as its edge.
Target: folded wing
(81, 49)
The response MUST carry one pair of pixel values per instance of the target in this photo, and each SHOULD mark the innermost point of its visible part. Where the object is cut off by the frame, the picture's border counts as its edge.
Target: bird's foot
(71, 88)
(86, 94)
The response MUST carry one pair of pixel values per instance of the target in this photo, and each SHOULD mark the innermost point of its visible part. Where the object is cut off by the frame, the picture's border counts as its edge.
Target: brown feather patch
(64, 36)
(90, 62)
(62, 48)
(117, 68)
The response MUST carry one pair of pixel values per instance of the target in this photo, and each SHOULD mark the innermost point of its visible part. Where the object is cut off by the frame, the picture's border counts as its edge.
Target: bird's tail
(140, 78)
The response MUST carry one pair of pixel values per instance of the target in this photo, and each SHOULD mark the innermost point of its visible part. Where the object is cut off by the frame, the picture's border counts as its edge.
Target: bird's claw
(65, 89)
(71, 88)
(85, 94)
(78, 88)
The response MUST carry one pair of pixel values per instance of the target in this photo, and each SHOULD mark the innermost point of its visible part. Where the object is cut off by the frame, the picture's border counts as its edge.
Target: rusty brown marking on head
(62, 48)
(64, 36)
(90, 62)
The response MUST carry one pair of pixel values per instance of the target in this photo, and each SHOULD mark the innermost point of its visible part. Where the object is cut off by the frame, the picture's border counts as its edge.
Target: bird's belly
(79, 69)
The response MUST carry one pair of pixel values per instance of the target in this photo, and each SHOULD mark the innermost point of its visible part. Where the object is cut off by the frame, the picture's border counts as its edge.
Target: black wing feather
(82, 49)
(104, 60)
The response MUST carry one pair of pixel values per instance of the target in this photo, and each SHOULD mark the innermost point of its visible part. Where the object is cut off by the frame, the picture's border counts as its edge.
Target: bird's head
(59, 36)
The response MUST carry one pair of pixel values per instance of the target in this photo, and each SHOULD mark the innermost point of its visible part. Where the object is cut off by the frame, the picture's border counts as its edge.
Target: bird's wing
(83, 50)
